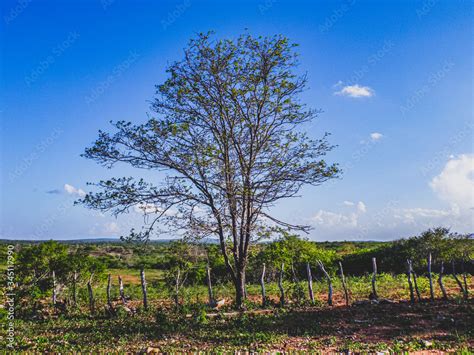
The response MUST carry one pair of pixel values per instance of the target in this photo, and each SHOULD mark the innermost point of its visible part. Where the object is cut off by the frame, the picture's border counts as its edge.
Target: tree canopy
(225, 130)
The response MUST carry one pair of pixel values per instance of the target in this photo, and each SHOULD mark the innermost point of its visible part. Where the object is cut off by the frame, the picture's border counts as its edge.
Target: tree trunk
(74, 289)
(410, 284)
(430, 277)
(209, 289)
(91, 295)
(374, 278)
(144, 291)
(310, 282)
(121, 291)
(461, 288)
(321, 266)
(262, 284)
(53, 276)
(109, 301)
(240, 289)
(344, 286)
(245, 286)
(280, 285)
(440, 282)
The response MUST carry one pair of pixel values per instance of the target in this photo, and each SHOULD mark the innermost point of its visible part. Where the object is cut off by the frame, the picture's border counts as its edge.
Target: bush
(443, 246)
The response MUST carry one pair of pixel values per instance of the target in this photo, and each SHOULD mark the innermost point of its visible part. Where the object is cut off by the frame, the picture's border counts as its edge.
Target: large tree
(226, 132)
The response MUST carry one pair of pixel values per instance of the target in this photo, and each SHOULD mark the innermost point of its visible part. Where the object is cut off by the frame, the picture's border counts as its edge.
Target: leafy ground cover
(392, 327)
(397, 326)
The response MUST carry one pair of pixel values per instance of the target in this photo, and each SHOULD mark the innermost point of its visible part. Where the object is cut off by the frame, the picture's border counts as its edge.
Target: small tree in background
(293, 250)
(180, 262)
(36, 263)
(226, 133)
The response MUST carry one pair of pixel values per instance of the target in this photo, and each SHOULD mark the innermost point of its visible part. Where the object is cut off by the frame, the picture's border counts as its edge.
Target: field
(397, 326)
(394, 327)
(391, 323)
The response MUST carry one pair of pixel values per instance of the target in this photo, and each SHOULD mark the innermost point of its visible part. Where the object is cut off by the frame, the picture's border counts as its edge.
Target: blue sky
(394, 79)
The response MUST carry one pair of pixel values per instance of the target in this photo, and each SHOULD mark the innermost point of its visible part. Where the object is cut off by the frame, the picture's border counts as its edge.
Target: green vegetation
(394, 327)
(192, 324)
(443, 246)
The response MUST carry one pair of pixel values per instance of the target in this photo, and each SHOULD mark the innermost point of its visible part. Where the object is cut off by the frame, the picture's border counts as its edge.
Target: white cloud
(412, 215)
(355, 91)
(147, 208)
(455, 184)
(338, 84)
(361, 207)
(375, 136)
(331, 219)
(71, 190)
(108, 229)
(419, 219)
(341, 220)
(111, 228)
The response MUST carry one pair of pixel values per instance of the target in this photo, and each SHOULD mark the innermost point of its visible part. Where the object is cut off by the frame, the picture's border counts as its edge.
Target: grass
(394, 327)
(299, 326)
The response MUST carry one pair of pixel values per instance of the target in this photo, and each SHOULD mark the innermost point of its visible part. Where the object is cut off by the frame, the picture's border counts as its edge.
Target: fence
(339, 279)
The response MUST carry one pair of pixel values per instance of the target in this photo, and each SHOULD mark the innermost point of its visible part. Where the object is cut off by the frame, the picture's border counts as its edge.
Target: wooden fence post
(74, 288)
(280, 285)
(410, 285)
(464, 276)
(440, 282)
(430, 277)
(209, 286)
(415, 282)
(344, 286)
(109, 301)
(321, 266)
(461, 288)
(176, 288)
(310, 282)
(91, 295)
(144, 291)
(53, 276)
(262, 285)
(374, 278)
(121, 290)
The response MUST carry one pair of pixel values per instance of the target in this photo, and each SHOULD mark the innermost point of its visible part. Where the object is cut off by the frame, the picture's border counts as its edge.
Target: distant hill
(99, 241)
